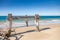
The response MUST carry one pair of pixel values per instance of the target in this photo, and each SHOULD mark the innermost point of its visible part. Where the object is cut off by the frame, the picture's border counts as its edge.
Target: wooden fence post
(26, 19)
(37, 22)
(10, 21)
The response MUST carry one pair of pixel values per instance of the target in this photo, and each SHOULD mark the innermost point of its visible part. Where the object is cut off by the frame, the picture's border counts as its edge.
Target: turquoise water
(3, 18)
(43, 20)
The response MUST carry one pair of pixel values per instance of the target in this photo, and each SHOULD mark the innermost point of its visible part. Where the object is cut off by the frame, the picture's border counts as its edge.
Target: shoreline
(19, 25)
(47, 32)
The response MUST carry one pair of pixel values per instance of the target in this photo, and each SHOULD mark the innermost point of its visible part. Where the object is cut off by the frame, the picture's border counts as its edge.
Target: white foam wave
(46, 22)
(42, 22)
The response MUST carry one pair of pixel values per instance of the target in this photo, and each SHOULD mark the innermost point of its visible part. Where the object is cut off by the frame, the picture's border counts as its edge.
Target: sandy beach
(29, 19)
(49, 32)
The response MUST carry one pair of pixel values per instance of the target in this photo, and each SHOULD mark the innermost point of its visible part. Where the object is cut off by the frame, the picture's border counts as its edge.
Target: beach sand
(48, 32)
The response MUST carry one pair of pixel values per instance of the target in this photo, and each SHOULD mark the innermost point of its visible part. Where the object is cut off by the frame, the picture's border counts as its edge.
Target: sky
(30, 7)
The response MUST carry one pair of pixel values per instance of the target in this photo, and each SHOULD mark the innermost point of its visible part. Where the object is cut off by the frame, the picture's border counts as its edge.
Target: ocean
(3, 18)
(43, 20)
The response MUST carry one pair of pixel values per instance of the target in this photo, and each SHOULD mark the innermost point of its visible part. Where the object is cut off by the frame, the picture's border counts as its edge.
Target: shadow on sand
(27, 32)
(24, 32)
(15, 35)
(44, 29)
